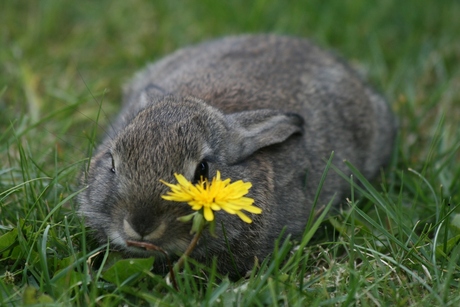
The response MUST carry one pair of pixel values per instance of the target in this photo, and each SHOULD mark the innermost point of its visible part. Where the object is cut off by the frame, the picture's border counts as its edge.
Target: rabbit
(261, 108)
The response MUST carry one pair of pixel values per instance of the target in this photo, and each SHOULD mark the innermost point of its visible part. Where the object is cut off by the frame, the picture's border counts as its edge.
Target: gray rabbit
(261, 108)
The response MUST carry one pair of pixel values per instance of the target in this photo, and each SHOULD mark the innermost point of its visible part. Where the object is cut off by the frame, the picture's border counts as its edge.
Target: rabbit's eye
(201, 172)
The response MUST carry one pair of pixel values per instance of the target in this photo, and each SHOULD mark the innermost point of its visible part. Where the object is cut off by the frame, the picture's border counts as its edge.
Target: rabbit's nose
(143, 228)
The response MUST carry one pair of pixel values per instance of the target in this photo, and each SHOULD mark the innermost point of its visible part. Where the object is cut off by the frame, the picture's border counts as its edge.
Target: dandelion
(217, 195)
(205, 198)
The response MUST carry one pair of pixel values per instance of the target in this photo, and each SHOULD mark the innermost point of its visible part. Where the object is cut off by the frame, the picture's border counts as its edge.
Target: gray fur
(260, 108)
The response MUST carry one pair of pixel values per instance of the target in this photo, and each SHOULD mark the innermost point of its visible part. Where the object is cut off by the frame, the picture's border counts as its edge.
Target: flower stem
(189, 250)
(178, 265)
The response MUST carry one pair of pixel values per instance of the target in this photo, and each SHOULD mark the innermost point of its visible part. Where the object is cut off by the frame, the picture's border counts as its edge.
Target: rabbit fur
(264, 109)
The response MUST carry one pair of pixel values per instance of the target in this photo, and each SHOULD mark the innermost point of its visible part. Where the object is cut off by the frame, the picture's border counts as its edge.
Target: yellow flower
(220, 194)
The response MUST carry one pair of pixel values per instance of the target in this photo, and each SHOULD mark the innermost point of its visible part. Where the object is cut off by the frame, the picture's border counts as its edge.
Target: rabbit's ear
(252, 130)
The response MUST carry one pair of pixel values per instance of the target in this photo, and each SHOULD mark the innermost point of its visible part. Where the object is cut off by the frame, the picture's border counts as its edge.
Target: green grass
(62, 64)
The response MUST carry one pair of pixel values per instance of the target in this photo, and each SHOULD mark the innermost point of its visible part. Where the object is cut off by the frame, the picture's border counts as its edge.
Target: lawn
(394, 242)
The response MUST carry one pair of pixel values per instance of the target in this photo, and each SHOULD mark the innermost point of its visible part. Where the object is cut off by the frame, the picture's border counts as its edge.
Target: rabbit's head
(177, 135)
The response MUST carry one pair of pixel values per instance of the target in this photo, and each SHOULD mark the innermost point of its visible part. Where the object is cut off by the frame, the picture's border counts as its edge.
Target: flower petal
(215, 207)
(208, 214)
(244, 217)
(182, 181)
(253, 209)
(229, 210)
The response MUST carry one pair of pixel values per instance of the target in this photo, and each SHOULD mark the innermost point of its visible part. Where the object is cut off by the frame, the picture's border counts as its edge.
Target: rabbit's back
(341, 112)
